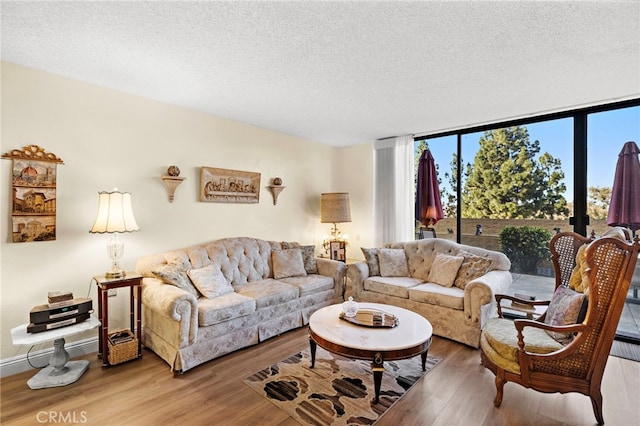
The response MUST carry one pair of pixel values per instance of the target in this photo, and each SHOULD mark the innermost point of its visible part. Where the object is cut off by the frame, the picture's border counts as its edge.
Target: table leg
(59, 358)
(313, 345)
(139, 320)
(104, 320)
(101, 322)
(423, 355)
(377, 366)
(132, 319)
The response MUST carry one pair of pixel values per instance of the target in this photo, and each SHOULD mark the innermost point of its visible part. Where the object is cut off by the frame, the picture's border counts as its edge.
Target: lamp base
(114, 275)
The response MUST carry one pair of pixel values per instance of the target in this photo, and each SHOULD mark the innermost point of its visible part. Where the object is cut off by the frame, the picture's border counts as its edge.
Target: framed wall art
(34, 180)
(229, 186)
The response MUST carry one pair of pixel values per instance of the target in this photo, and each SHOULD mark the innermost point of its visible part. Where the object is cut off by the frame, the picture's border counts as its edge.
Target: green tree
(509, 179)
(449, 198)
(598, 202)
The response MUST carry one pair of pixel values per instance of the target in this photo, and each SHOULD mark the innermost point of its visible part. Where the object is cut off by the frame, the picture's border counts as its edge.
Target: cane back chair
(522, 351)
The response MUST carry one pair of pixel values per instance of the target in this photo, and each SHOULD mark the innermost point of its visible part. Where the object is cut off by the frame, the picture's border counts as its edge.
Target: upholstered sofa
(452, 285)
(207, 300)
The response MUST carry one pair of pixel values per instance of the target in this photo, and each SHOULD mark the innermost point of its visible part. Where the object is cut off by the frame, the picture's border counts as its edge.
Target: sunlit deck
(542, 288)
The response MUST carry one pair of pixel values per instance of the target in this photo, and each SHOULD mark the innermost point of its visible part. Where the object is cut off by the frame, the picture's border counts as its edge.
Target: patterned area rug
(338, 390)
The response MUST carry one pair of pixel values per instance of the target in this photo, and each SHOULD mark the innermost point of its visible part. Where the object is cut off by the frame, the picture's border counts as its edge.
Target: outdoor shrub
(525, 246)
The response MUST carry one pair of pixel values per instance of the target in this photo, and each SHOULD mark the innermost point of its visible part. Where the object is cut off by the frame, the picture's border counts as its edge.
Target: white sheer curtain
(393, 199)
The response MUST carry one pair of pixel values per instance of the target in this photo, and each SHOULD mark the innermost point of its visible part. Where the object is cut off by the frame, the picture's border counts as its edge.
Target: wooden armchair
(523, 351)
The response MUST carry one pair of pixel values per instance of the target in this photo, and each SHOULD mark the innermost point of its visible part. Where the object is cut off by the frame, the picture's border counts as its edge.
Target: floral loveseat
(452, 285)
(205, 301)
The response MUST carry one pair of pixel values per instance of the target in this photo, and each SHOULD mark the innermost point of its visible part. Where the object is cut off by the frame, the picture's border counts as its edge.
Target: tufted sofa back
(241, 259)
(421, 254)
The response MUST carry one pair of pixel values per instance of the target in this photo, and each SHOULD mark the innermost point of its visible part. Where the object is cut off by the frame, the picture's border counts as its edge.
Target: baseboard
(40, 359)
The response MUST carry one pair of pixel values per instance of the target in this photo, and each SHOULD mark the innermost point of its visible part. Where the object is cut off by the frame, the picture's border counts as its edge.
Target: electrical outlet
(112, 292)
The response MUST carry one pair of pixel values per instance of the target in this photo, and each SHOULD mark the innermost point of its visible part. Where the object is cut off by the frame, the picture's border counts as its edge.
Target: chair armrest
(357, 273)
(520, 324)
(334, 269)
(480, 291)
(501, 297)
(174, 304)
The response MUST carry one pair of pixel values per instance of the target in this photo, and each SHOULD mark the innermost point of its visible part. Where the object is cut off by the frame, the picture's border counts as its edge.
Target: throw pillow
(371, 257)
(176, 275)
(444, 269)
(287, 263)
(309, 259)
(579, 279)
(210, 281)
(178, 257)
(472, 267)
(564, 309)
(393, 263)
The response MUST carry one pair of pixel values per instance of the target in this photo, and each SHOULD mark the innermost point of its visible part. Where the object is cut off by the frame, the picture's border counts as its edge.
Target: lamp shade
(334, 207)
(114, 213)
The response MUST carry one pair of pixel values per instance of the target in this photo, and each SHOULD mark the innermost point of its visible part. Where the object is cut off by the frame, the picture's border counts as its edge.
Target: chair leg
(499, 387)
(596, 402)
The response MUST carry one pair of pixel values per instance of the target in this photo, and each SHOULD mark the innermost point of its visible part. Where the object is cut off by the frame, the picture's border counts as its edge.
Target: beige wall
(111, 139)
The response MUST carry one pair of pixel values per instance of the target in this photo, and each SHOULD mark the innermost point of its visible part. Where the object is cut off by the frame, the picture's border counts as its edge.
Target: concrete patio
(542, 288)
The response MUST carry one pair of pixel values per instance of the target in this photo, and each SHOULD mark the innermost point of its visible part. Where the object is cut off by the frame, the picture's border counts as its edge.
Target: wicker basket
(123, 346)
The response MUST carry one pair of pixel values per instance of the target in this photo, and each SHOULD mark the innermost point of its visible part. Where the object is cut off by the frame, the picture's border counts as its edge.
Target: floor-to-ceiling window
(607, 132)
(550, 173)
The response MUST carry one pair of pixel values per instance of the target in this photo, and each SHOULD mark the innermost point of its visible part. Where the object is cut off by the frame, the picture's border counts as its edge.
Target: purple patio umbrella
(428, 204)
(624, 209)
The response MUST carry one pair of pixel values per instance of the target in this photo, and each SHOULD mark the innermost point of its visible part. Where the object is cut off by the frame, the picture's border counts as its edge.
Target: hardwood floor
(459, 391)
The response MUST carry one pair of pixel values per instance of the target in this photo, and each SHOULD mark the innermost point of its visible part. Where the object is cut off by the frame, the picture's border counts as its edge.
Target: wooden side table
(134, 282)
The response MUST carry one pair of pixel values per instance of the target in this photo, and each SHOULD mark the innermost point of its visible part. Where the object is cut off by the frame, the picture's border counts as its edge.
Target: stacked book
(58, 299)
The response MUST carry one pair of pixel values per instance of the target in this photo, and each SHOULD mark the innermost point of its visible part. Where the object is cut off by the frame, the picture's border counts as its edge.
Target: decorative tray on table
(371, 318)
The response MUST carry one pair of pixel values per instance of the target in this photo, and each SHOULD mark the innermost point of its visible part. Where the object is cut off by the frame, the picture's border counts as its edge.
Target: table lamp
(115, 215)
(334, 208)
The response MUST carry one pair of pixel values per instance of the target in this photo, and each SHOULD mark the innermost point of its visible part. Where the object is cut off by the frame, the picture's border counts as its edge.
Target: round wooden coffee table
(411, 337)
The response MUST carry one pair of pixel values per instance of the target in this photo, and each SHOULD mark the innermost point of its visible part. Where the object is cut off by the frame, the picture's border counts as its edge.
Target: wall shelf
(275, 191)
(172, 182)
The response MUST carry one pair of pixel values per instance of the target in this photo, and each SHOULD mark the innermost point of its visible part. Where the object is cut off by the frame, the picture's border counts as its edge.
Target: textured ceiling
(340, 73)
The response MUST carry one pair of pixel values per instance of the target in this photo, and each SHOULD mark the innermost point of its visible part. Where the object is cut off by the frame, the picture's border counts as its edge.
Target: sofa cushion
(210, 281)
(176, 275)
(309, 284)
(393, 286)
(198, 256)
(502, 337)
(371, 257)
(224, 308)
(393, 263)
(564, 309)
(242, 259)
(309, 259)
(268, 292)
(444, 269)
(308, 255)
(472, 267)
(435, 294)
(287, 263)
